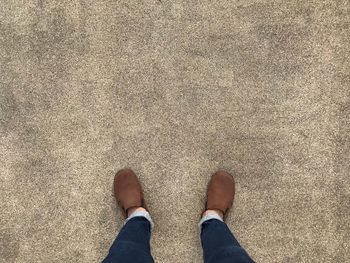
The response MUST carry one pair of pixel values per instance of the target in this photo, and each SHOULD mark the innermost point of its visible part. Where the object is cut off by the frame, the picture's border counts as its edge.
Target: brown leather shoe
(128, 191)
(220, 193)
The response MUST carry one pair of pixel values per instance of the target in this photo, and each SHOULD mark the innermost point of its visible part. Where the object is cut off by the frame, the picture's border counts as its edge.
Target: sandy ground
(174, 90)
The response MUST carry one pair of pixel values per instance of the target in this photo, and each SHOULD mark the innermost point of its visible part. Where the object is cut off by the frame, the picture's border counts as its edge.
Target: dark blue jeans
(132, 245)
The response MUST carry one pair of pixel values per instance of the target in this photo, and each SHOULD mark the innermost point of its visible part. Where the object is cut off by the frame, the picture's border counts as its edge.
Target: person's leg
(218, 242)
(132, 244)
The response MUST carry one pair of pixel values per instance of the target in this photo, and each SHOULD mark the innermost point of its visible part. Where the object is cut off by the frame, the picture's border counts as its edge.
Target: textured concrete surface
(174, 90)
